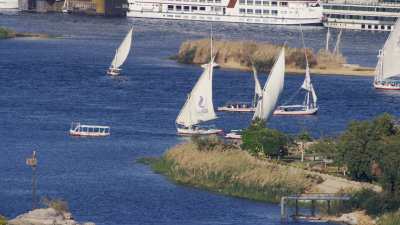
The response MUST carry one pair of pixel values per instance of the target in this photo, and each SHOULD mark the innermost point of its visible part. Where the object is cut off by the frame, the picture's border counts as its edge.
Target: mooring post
(312, 207)
(297, 208)
(283, 210)
(329, 207)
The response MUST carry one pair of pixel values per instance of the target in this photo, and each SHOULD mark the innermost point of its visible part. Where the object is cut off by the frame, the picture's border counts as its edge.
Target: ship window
(363, 26)
(194, 8)
(274, 12)
(265, 3)
(242, 11)
(382, 27)
(194, 0)
(249, 11)
(202, 8)
(389, 27)
(369, 26)
(257, 11)
(258, 2)
(249, 2)
(217, 1)
(274, 3)
(178, 8)
(186, 8)
(283, 4)
(210, 1)
(242, 2)
(218, 9)
(170, 7)
(376, 26)
(283, 12)
(265, 11)
(202, 0)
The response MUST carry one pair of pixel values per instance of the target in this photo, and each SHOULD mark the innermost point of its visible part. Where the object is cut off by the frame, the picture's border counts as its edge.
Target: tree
(257, 139)
(325, 148)
(389, 163)
(358, 146)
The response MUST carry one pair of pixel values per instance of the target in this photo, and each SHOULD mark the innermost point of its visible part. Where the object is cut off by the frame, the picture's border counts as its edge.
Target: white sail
(272, 89)
(336, 50)
(257, 86)
(199, 105)
(123, 51)
(328, 37)
(307, 80)
(314, 95)
(388, 65)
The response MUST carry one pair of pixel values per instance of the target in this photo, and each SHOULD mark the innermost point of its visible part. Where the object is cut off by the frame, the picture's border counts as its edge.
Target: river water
(47, 84)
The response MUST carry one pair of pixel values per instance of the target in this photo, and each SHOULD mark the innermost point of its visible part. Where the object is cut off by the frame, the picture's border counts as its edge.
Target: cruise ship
(8, 4)
(287, 12)
(361, 15)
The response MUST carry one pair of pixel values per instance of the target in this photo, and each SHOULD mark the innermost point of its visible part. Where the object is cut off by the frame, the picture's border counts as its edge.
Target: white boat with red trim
(78, 129)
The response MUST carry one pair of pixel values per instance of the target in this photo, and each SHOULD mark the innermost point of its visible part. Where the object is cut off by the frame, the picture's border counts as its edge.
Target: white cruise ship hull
(8, 4)
(297, 12)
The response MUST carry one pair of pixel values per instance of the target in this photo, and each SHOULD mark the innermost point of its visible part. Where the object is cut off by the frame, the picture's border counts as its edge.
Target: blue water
(47, 84)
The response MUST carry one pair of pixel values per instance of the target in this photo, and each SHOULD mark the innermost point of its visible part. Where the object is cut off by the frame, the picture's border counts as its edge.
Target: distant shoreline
(6, 33)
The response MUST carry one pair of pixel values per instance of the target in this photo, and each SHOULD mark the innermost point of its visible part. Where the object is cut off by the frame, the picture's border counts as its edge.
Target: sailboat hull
(113, 72)
(387, 86)
(304, 112)
(197, 131)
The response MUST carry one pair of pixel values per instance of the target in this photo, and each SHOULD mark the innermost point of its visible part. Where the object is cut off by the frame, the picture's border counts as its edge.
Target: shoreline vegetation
(6, 33)
(241, 55)
(362, 162)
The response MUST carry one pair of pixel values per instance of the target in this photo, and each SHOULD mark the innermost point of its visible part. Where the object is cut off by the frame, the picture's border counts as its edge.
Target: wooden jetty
(311, 198)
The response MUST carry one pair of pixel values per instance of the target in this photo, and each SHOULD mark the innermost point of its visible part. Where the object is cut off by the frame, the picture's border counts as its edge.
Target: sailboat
(121, 54)
(66, 7)
(245, 106)
(388, 66)
(309, 106)
(266, 103)
(199, 106)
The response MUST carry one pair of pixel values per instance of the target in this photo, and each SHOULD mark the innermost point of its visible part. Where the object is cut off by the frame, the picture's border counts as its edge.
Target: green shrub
(59, 205)
(188, 56)
(3, 220)
(259, 140)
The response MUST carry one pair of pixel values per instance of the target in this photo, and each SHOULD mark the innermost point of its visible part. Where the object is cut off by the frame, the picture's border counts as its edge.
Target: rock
(47, 216)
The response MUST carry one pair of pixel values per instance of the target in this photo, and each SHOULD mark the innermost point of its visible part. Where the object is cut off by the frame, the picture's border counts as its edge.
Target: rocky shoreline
(45, 216)
(6, 33)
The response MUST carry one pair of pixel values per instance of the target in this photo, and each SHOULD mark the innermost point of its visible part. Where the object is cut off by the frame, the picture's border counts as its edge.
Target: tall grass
(390, 219)
(3, 220)
(243, 54)
(232, 172)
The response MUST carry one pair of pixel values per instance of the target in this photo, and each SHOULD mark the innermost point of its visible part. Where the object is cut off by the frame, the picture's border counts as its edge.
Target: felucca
(309, 106)
(199, 106)
(121, 54)
(267, 101)
(388, 66)
(245, 106)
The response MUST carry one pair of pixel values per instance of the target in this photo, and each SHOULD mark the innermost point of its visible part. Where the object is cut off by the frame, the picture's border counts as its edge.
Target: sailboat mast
(211, 41)
(381, 60)
(328, 36)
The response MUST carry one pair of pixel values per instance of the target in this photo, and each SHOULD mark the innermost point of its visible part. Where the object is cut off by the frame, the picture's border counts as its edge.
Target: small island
(6, 33)
(241, 55)
(361, 163)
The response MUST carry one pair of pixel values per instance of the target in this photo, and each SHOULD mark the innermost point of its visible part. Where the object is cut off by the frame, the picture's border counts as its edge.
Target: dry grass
(233, 172)
(242, 54)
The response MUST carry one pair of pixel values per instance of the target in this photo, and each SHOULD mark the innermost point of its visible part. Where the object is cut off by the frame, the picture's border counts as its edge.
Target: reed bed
(233, 172)
(244, 54)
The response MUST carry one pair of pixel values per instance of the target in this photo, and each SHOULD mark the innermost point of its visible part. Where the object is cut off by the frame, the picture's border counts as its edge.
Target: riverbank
(6, 33)
(234, 172)
(241, 55)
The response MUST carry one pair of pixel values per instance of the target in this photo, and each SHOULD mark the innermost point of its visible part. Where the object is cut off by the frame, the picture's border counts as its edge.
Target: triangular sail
(199, 105)
(272, 89)
(307, 80)
(123, 51)
(257, 86)
(388, 65)
(314, 95)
